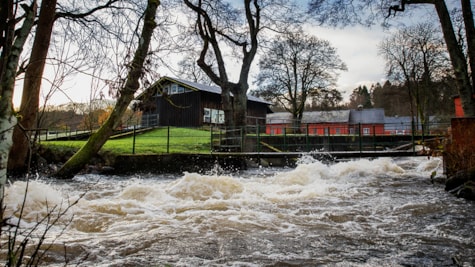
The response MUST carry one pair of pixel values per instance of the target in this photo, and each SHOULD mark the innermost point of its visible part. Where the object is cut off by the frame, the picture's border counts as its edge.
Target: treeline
(395, 99)
(70, 118)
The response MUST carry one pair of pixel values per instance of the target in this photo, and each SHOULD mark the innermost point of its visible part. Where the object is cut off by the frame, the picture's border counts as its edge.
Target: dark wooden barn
(177, 102)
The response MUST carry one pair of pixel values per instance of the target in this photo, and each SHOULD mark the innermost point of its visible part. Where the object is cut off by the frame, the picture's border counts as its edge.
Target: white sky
(358, 48)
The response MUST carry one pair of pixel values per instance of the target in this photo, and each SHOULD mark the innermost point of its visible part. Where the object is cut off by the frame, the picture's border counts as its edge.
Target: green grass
(181, 140)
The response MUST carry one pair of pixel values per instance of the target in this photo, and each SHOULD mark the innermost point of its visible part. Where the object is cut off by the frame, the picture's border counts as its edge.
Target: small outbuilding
(334, 122)
(177, 102)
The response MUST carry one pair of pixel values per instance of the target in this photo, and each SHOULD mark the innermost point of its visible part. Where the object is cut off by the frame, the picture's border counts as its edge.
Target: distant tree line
(395, 100)
(73, 117)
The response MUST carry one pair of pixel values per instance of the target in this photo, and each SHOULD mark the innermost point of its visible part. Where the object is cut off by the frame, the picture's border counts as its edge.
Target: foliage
(394, 98)
(360, 97)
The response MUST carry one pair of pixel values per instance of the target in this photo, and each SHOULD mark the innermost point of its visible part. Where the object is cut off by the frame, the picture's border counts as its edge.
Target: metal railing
(209, 139)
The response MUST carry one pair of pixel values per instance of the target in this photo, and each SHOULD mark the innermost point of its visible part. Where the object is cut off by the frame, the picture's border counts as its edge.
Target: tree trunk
(240, 107)
(470, 34)
(457, 58)
(7, 85)
(31, 88)
(77, 162)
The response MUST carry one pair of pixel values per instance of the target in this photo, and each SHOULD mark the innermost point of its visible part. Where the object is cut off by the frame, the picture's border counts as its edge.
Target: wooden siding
(184, 110)
(187, 109)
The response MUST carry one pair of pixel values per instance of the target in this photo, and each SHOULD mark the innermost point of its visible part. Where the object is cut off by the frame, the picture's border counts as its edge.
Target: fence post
(258, 138)
(285, 139)
(412, 137)
(210, 138)
(374, 137)
(133, 141)
(168, 139)
(306, 139)
(359, 134)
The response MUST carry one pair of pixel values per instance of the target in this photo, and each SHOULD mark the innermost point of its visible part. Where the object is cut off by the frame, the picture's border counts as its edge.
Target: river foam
(315, 213)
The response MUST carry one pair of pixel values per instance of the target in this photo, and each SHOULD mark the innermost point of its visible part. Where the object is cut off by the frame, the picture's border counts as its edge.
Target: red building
(335, 122)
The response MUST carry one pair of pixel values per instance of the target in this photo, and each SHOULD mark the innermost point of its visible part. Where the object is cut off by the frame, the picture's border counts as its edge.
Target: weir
(180, 162)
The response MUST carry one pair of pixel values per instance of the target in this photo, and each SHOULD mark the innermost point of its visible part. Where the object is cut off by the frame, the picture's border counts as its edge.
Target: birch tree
(12, 40)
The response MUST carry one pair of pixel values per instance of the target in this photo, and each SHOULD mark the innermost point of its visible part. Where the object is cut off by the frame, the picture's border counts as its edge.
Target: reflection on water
(380, 212)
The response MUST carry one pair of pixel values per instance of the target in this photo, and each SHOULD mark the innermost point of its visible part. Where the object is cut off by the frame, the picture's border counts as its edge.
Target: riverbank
(48, 160)
(111, 163)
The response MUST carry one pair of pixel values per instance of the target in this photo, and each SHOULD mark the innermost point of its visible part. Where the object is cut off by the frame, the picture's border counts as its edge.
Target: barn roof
(198, 87)
(367, 116)
(333, 116)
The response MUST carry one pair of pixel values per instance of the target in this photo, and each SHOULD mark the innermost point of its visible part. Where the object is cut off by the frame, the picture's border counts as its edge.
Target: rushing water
(382, 212)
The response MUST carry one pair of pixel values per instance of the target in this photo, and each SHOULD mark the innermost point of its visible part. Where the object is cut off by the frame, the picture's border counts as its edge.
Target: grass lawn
(180, 140)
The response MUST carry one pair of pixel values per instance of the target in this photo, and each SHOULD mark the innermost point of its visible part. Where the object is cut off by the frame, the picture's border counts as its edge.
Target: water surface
(381, 212)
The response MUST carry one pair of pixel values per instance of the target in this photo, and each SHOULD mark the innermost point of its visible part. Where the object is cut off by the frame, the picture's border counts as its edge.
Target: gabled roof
(333, 116)
(199, 87)
(279, 118)
(367, 116)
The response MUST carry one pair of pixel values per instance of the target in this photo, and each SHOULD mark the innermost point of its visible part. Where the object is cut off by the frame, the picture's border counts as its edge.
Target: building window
(213, 116)
(366, 131)
(207, 115)
(337, 131)
(174, 89)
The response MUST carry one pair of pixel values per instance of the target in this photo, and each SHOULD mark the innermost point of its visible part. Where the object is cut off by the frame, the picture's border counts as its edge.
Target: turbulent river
(381, 212)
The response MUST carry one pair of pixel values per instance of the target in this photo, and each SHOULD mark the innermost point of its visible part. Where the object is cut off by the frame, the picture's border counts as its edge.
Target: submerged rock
(462, 184)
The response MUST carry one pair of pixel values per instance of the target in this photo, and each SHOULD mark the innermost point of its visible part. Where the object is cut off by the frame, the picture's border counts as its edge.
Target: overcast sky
(358, 48)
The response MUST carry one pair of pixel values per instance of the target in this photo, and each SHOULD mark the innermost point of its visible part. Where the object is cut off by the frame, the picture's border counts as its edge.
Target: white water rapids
(381, 212)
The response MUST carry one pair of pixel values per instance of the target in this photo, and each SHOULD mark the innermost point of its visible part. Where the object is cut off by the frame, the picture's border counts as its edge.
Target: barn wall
(181, 110)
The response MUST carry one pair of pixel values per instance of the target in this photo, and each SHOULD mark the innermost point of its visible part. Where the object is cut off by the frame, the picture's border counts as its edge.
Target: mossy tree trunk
(11, 47)
(77, 162)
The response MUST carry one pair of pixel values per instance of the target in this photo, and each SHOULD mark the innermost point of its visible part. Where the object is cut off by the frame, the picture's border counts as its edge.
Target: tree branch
(76, 16)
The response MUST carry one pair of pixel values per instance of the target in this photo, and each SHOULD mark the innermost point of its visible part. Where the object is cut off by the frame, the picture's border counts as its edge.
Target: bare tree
(222, 27)
(188, 69)
(416, 56)
(457, 57)
(126, 95)
(295, 68)
(367, 12)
